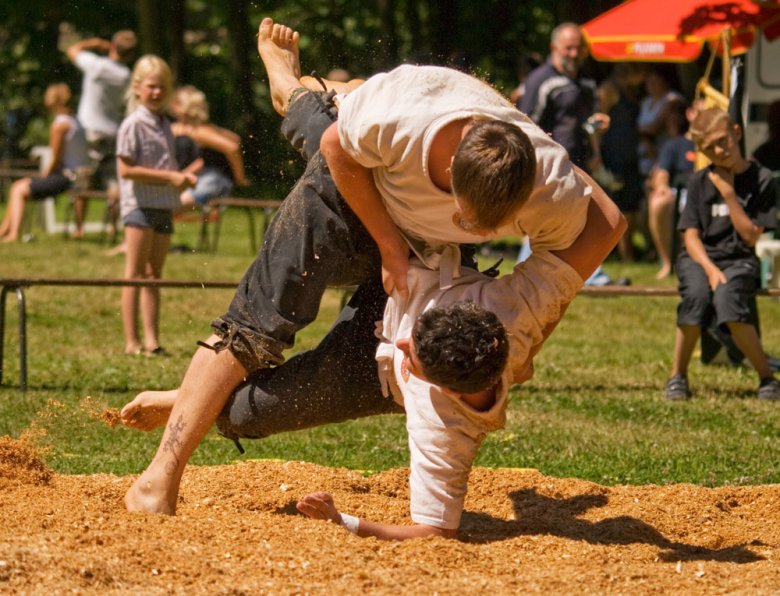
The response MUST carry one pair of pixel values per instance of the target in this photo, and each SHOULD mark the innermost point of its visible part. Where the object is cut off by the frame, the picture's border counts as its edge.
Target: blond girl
(149, 187)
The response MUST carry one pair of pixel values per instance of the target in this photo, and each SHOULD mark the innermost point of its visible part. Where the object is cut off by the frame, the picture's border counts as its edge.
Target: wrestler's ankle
(294, 95)
(149, 495)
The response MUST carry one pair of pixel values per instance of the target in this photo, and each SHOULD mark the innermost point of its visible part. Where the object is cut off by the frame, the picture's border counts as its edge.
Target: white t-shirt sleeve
(441, 455)
(556, 212)
(86, 61)
(366, 132)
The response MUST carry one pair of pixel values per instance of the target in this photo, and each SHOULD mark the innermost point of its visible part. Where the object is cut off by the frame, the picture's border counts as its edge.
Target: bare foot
(133, 349)
(147, 496)
(149, 410)
(664, 272)
(119, 249)
(278, 47)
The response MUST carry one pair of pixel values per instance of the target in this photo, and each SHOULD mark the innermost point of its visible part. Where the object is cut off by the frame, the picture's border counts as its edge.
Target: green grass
(594, 409)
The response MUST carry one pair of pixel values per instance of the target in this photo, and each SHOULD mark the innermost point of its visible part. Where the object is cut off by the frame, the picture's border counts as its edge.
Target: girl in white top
(68, 153)
(149, 187)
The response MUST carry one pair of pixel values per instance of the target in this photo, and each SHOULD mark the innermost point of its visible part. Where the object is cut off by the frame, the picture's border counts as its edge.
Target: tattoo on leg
(171, 443)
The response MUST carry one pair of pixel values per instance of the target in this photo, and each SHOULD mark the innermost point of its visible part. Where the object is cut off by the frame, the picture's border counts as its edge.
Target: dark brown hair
(494, 170)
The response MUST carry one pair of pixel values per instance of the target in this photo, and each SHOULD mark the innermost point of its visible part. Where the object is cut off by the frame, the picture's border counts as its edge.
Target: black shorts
(730, 302)
(41, 188)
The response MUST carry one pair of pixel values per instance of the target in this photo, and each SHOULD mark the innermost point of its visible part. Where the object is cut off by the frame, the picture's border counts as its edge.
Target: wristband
(350, 522)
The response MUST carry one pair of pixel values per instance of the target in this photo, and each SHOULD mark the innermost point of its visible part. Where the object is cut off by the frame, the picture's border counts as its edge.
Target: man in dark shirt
(562, 104)
(557, 99)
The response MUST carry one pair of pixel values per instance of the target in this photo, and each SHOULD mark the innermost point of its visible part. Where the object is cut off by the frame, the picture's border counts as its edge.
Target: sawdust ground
(236, 532)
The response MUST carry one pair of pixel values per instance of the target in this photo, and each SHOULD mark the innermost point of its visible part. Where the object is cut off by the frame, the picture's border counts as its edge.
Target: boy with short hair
(730, 204)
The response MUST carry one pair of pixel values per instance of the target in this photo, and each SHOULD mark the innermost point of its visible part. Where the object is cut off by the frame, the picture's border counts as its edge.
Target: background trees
(211, 44)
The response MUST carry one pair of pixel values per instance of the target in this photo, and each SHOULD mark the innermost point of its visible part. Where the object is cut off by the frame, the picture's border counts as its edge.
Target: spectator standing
(68, 154)
(730, 204)
(150, 184)
(562, 103)
(558, 99)
(105, 65)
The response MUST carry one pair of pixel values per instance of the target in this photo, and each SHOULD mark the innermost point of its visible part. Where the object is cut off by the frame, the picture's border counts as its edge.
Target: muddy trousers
(315, 241)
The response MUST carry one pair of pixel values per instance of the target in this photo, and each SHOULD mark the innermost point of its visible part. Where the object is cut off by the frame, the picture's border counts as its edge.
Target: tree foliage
(212, 46)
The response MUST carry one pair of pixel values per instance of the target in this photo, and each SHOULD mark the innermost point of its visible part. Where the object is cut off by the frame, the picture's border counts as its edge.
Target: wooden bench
(12, 169)
(9, 173)
(267, 208)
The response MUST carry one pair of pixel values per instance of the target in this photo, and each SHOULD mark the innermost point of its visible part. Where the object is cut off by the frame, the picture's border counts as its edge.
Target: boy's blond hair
(705, 122)
(148, 65)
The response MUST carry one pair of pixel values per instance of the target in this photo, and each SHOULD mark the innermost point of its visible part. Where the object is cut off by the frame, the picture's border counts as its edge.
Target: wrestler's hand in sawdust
(319, 505)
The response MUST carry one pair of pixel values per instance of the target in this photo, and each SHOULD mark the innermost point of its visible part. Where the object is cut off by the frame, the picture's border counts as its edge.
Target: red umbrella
(676, 30)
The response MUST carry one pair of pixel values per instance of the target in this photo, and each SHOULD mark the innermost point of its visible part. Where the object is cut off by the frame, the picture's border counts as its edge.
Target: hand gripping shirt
(388, 124)
(444, 432)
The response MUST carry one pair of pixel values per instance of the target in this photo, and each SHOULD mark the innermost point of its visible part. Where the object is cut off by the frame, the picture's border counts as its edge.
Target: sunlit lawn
(594, 409)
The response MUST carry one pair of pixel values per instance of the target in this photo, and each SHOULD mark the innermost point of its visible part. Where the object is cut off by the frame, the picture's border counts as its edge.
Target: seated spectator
(68, 146)
(652, 117)
(768, 153)
(211, 152)
(729, 205)
(667, 184)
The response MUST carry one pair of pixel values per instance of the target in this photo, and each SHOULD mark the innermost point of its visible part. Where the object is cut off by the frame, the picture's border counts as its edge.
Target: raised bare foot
(149, 410)
(145, 496)
(278, 47)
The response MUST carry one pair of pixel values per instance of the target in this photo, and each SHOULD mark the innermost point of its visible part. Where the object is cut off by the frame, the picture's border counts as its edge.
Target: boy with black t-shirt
(730, 204)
